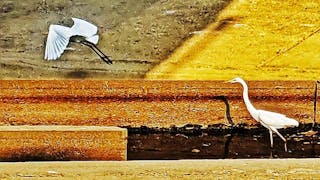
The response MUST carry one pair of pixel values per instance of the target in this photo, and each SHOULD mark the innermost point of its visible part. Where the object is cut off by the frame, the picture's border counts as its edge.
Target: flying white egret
(270, 120)
(81, 32)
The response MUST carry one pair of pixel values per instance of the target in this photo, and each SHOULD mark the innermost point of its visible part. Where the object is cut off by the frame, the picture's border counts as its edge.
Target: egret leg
(276, 131)
(97, 51)
(285, 147)
(285, 141)
(271, 138)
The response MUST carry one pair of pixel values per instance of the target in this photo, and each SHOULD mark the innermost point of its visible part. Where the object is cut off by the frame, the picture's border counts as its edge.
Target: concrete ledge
(147, 103)
(185, 169)
(23, 143)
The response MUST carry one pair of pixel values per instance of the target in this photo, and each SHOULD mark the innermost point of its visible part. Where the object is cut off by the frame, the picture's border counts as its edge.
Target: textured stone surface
(150, 103)
(317, 94)
(137, 35)
(189, 169)
(25, 143)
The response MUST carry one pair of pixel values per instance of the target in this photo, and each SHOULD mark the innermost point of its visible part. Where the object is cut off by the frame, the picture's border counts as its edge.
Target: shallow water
(220, 143)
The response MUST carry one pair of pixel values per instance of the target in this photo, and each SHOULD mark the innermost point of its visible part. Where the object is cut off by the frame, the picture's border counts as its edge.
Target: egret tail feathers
(83, 28)
(276, 120)
(94, 39)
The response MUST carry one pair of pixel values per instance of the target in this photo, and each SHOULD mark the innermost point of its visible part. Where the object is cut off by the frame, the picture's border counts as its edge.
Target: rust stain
(138, 103)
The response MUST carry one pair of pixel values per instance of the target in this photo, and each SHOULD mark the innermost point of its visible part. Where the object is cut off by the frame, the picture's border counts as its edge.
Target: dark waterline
(219, 142)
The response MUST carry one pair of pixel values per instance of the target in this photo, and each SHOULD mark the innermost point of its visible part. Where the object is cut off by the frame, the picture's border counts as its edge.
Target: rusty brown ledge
(26, 143)
(138, 103)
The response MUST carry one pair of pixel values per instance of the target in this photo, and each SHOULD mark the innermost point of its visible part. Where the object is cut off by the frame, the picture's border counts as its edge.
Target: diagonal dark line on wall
(290, 48)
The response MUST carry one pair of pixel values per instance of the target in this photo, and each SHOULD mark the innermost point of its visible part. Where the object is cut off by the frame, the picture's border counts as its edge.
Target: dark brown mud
(221, 142)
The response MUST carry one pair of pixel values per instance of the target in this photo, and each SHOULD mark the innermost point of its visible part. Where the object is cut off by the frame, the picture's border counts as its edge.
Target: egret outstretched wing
(57, 41)
(84, 32)
(83, 28)
(276, 120)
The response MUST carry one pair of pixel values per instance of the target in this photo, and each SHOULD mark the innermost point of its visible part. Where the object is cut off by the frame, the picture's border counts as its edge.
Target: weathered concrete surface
(317, 104)
(136, 35)
(256, 40)
(150, 103)
(187, 169)
(25, 143)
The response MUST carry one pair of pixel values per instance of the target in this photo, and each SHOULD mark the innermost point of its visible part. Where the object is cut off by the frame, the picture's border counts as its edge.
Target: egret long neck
(252, 110)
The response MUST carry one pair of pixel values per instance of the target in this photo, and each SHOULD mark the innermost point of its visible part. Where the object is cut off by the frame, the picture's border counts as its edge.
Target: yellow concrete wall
(257, 40)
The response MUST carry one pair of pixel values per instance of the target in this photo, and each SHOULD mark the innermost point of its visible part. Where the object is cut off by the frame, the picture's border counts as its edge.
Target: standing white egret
(81, 32)
(270, 120)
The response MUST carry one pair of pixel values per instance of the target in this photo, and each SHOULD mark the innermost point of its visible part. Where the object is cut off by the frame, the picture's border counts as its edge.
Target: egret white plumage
(271, 120)
(82, 32)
